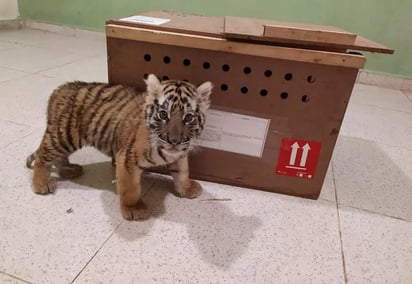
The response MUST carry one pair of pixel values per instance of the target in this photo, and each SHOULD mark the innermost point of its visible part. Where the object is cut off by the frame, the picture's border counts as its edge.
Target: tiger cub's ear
(153, 86)
(203, 93)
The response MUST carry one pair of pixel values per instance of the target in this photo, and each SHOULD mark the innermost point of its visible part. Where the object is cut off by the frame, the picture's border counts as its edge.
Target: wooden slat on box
(288, 31)
(303, 35)
(180, 22)
(365, 44)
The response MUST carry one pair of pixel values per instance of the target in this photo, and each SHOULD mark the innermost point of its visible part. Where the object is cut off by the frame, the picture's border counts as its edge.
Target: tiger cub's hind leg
(67, 170)
(49, 153)
(43, 183)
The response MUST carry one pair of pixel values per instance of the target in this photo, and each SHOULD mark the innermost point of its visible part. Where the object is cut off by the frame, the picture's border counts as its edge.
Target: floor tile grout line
(46, 76)
(14, 122)
(13, 69)
(14, 277)
(38, 44)
(384, 108)
(42, 45)
(326, 200)
(376, 213)
(345, 274)
(377, 142)
(38, 73)
(61, 65)
(82, 57)
(23, 76)
(17, 140)
(97, 251)
(108, 238)
(362, 209)
(406, 95)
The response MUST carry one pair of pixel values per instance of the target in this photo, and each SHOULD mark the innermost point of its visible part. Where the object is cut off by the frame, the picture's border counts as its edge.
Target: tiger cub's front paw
(44, 185)
(192, 191)
(138, 211)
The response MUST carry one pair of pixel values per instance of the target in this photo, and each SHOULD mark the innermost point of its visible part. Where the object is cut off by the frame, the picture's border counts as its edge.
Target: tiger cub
(138, 130)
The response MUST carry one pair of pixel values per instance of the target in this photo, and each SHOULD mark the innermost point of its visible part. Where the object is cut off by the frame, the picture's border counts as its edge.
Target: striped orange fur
(138, 130)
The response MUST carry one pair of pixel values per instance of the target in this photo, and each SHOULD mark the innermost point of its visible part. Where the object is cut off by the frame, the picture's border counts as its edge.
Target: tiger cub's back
(93, 114)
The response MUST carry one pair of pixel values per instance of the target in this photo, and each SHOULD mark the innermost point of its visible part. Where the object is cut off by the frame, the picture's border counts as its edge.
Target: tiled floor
(360, 234)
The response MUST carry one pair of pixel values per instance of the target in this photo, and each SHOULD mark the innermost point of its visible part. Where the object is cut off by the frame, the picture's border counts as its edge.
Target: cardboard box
(281, 91)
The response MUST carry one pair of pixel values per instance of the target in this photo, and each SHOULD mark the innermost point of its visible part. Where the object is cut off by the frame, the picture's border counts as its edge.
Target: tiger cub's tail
(30, 160)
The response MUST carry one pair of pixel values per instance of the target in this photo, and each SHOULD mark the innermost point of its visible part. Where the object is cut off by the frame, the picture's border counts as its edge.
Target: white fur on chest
(152, 158)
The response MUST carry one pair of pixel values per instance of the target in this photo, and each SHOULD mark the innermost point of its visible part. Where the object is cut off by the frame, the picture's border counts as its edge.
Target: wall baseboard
(69, 31)
(384, 80)
(364, 77)
(11, 24)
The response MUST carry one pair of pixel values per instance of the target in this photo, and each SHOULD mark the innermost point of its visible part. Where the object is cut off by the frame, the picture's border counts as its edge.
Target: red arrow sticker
(298, 158)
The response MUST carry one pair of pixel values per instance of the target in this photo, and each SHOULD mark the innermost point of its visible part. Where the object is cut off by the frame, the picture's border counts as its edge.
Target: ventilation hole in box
(225, 67)
(145, 76)
(147, 57)
(186, 62)
(268, 73)
(305, 98)
(311, 79)
(224, 87)
(288, 76)
(185, 80)
(247, 70)
(165, 78)
(166, 59)
(284, 95)
(244, 90)
(263, 92)
(206, 65)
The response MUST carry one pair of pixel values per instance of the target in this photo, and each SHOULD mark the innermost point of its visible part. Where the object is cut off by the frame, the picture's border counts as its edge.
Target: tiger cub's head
(175, 112)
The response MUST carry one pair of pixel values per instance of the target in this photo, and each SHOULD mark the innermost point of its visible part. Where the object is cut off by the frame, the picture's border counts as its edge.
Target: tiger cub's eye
(162, 115)
(189, 117)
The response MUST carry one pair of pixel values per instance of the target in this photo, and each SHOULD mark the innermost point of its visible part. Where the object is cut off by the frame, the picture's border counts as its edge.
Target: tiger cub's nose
(174, 140)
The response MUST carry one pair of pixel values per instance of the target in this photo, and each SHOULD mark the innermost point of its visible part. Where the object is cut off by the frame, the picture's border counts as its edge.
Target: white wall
(8, 9)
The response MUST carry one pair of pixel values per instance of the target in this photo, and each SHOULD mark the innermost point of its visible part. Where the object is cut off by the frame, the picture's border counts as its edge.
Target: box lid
(249, 37)
(257, 30)
(305, 35)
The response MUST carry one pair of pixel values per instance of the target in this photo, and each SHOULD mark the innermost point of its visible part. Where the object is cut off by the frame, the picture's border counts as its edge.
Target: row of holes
(245, 90)
(264, 93)
(226, 67)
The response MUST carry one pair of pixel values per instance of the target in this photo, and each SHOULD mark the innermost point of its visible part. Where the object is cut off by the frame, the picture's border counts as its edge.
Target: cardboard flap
(312, 36)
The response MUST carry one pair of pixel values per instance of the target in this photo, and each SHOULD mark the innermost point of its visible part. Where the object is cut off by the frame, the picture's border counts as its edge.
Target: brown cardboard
(318, 86)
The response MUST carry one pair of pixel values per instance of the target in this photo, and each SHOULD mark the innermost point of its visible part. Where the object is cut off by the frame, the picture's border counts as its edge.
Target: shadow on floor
(373, 177)
(220, 235)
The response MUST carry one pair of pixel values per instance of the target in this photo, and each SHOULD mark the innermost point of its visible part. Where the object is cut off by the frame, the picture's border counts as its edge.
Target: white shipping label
(234, 132)
(146, 20)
